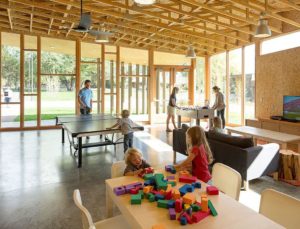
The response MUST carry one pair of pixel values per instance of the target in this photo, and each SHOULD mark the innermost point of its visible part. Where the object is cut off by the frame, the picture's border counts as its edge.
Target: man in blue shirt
(85, 97)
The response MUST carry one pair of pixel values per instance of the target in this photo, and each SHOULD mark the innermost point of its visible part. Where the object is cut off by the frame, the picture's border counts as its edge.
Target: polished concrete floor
(38, 175)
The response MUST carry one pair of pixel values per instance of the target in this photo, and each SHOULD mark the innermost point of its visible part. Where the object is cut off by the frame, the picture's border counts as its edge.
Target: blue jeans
(128, 139)
(220, 114)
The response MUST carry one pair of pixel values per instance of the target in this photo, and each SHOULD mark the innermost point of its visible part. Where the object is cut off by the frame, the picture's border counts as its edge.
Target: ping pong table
(79, 126)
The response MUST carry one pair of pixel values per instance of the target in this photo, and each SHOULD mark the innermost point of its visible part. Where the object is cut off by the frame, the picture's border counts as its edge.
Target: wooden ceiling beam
(50, 25)
(31, 21)
(291, 4)
(10, 19)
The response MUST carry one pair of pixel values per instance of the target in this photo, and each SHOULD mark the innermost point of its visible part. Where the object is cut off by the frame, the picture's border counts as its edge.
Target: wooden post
(152, 82)
(207, 78)
(137, 82)
(78, 60)
(129, 86)
(98, 85)
(227, 87)
(191, 82)
(22, 77)
(111, 86)
(143, 89)
(0, 78)
(102, 78)
(118, 80)
(122, 86)
(243, 88)
(39, 56)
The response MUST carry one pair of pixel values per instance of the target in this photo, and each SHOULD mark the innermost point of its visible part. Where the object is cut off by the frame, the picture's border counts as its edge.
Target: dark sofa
(236, 152)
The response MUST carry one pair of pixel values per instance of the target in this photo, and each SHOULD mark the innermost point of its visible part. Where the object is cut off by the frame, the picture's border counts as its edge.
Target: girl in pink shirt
(199, 154)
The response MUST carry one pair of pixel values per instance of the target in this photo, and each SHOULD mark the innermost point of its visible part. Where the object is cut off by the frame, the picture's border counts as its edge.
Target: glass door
(182, 82)
(163, 89)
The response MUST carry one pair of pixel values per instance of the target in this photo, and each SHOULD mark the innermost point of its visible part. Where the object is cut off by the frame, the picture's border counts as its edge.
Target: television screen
(291, 107)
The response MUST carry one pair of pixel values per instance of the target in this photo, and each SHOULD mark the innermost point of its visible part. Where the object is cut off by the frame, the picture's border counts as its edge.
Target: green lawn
(34, 117)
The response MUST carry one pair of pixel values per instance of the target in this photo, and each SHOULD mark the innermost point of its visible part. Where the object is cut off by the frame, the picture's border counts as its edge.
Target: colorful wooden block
(195, 207)
(168, 195)
(189, 211)
(183, 220)
(160, 183)
(149, 170)
(204, 203)
(151, 197)
(172, 214)
(176, 194)
(212, 208)
(189, 198)
(147, 189)
(178, 205)
(198, 216)
(135, 185)
(212, 190)
(196, 184)
(187, 216)
(184, 173)
(187, 179)
(135, 199)
(186, 188)
(186, 206)
(162, 203)
(170, 178)
(159, 226)
(141, 193)
(149, 176)
(172, 182)
(171, 204)
(134, 191)
(159, 197)
(168, 168)
(119, 190)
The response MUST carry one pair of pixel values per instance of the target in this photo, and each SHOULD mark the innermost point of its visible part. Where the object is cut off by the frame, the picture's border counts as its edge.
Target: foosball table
(195, 112)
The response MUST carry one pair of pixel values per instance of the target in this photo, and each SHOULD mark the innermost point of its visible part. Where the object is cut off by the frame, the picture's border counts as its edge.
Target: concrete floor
(38, 176)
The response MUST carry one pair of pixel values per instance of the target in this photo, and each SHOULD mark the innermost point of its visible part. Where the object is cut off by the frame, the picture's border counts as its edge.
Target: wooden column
(137, 82)
(243, 88)
(38, 73)
(112, 86)
(152, 83)
(122, 86)
(102, 78)
(207, 78)
(257, 54)
(78, 60)
(0, 77)
(118, 80)
(129, 87)
(98, 85)
(191, 82)
(227, 87)
(22, 59)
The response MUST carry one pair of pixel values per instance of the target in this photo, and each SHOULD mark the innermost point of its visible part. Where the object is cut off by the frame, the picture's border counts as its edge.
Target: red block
(168, 195)
(155, 192)
(212, 190)
(186, 179)
(187, 216)
(178, 205)
(198, 216)
(149, 170)
(134, 191)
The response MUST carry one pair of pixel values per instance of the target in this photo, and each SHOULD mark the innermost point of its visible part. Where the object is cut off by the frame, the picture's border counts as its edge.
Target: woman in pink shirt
(199, 154)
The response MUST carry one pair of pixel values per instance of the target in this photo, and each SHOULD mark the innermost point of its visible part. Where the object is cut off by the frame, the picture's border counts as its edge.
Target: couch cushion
(185, 127)
(242, 142)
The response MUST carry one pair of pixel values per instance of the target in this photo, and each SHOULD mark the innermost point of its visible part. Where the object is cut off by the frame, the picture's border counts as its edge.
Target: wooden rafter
(10, 19)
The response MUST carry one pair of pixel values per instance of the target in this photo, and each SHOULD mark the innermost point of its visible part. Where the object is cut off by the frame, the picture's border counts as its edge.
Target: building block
(147, 189)
(183, 220)
(189, 198)
(159, 197)
(186, 188)
(196, 184)
(172, 214)
(168, 167)
(141, 193)
(149, 176)
(168, 195)
(204, 203)
(169, 188)
(195, 207)
(159, 226)
(187, 179)
(189, 211)
(190, 188)
(184, 173)
(172, 182)
(147, 183)
(155, 192)
(149, 170)
(170, 178)
(171, 204)
(178, 205)
(176, 194)
(160, 183)
(162, 192)
(198, 216)
(186, 206)
(119, 190)
(185, 215)
(162, 203)
(212, 208)
(134, 191)
(212, 190)
(135, 199)
(173, 170)
(151, 197)
(128, 187)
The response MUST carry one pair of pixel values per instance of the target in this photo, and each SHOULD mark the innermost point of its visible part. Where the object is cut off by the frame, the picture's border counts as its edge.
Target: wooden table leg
(79, 152)
(109, 203)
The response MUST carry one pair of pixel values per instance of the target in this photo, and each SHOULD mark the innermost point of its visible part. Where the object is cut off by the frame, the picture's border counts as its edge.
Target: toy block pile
(181, 203)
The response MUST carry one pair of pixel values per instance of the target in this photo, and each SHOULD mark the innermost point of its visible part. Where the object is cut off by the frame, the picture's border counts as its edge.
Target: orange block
(184, 173)
(176, 194)
(204, 203)
(189, 198)
(159, 226)
(147, 189)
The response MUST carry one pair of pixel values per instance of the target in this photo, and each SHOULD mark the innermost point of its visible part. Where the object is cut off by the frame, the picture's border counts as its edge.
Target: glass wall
(182, 82)
(163, 89)
(199, 90)
(249, 96)
(235, 87)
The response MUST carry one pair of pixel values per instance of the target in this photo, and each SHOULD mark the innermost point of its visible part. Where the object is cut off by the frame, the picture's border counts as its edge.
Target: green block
(196, 207)
(162, 203)
(141, 193)
(136, 199)
(212, 208)
(151, 197)
(172, 183)
(160, 183)
(148, 176)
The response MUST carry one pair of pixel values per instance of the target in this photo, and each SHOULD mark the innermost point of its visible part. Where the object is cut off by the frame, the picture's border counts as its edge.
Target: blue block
(190, 188)
(171, 204)
(196, 185)
(173, 171)
(186, 188)
(159, 197)
(189, 211)
(183, 220)
(147, 183)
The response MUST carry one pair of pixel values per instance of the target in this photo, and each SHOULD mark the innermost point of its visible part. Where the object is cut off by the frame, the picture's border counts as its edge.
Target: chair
(117, 169)
(227, 180)
(87, 222)
(280, 208)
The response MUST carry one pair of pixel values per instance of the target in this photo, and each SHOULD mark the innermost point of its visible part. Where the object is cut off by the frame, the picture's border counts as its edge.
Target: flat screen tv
(291, 108)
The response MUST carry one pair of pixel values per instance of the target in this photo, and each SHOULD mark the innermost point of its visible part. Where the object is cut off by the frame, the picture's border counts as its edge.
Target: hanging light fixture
(190, 52)
(145, 2)
(102, 38)
(262, 29)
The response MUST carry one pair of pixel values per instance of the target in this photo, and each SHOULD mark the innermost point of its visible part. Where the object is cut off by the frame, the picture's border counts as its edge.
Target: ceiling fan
(85, 24)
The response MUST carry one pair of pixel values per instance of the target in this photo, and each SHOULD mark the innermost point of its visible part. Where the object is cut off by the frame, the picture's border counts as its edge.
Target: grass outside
(34, 117)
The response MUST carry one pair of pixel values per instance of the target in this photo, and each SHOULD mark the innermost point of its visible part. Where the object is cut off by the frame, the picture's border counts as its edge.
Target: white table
(231, 214)
(266, 135)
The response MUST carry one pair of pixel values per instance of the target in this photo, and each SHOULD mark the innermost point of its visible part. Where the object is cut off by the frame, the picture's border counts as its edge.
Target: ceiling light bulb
(102, 38)
(191, 52)
(145, 2)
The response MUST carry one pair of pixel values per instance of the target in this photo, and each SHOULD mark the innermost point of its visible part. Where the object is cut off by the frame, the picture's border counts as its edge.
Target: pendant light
(145, 2)
(190, 52)
(262, 29)
(102, 38)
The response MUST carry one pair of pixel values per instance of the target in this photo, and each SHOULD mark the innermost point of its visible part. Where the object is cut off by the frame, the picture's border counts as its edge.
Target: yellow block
(189, 198)
(186, 206)
(147, 189)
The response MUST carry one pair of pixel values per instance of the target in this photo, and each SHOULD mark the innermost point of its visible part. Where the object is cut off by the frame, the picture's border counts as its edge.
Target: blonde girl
(135, 163)
(171, 108)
